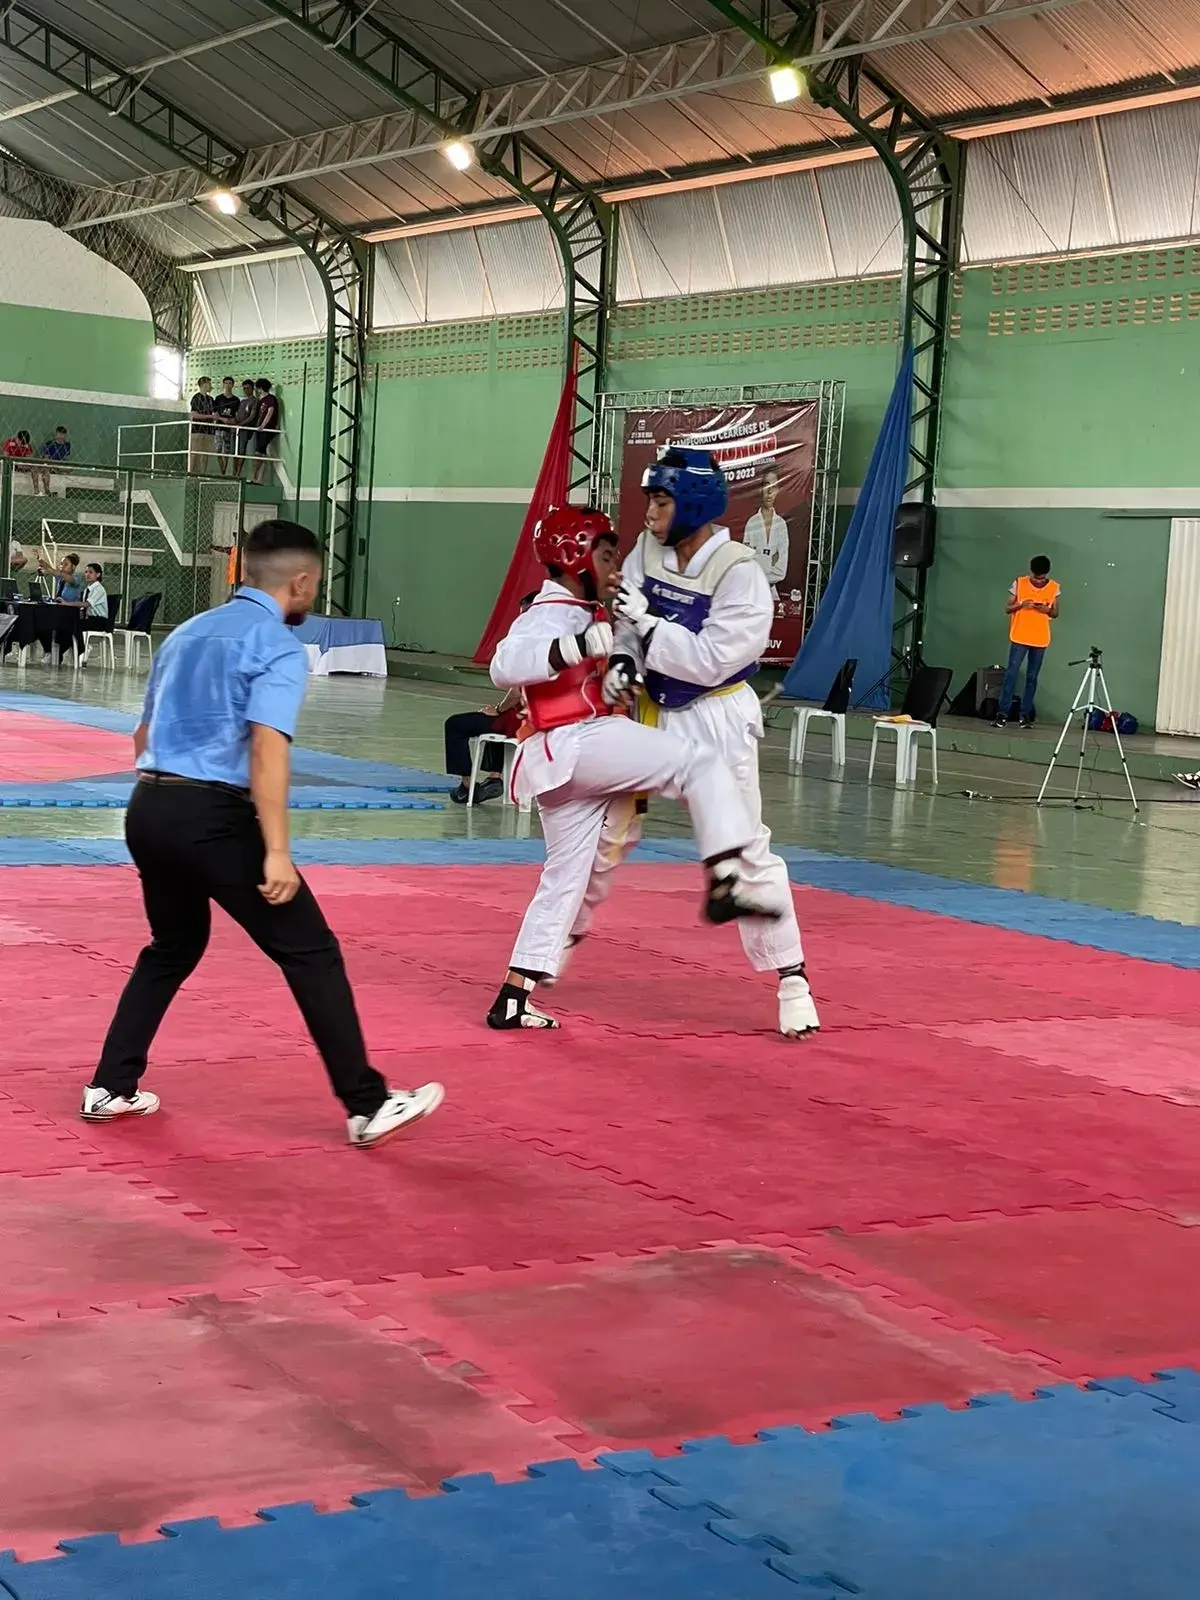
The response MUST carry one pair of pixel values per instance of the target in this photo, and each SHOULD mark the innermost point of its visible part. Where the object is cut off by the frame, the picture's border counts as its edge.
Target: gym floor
(659, 1304)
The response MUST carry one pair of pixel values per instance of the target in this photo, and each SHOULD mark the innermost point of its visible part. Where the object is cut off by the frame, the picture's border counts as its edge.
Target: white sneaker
(100, 1106)
(797, 1010)
(401, 1107)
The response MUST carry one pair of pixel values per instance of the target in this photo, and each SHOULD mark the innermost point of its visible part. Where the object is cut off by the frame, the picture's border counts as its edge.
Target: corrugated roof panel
(774, 230)
(523, 266)
(450, 272)
(1036, 192)
(862, 215)
(677, 244)
(272, 300)
(1153, 158)
(508, 34)
(399, 294)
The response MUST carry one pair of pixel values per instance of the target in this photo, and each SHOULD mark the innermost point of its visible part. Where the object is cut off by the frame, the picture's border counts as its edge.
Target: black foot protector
(511, 1009)
(727, 899)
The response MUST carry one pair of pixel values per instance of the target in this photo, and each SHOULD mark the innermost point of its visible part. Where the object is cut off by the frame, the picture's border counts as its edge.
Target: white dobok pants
(730, 725)
(614, 756)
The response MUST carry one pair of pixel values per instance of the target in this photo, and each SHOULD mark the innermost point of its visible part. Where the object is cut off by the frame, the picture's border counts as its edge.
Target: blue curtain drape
(856, 611)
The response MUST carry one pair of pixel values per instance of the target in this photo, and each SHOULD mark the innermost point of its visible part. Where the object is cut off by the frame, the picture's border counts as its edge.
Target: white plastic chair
(104, 639)
(133, 646)
(801, 717)
(908, 735)
(478, 746)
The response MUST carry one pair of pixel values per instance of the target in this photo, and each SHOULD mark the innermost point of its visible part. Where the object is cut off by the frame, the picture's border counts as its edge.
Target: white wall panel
(1179, 669)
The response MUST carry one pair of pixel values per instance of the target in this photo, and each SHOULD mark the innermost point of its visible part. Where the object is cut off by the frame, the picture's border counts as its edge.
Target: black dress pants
(459, 731)
(197, 843)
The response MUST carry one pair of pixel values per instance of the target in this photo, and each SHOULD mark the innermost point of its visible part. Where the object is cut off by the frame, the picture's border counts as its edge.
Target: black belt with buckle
(156, 778)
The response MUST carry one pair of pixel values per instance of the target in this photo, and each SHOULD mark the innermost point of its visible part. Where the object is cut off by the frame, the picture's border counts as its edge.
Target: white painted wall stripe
(91, 397)
(1011, 499)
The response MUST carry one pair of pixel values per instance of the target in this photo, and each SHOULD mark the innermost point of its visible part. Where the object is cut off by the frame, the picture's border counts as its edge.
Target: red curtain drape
(525, 572)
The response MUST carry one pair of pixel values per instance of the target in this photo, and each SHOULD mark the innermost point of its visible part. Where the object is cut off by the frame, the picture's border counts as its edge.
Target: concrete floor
(1101, 854)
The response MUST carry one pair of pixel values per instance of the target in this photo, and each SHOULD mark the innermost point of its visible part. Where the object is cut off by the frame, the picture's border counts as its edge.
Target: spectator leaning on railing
(226, 405)
(267, 427)
(202, 426)
(247, 416)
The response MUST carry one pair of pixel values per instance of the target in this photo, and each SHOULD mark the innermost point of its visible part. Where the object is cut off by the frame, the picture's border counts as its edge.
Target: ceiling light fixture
(787, 83)
(460, 153)
(226, 202)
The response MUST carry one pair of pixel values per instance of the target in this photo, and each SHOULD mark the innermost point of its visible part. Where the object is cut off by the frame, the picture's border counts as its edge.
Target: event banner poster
(768, 453)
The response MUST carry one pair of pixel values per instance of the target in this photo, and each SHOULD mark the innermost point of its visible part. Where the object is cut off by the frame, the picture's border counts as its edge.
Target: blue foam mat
(561, 1533)
(102, 796)
(307, 763)
(1076, 1495)
(1121, 932)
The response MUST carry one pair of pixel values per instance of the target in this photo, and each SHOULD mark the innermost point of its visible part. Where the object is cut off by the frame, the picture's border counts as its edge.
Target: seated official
(95, 606)
(503, 719)
(68, 591)
(460, 729)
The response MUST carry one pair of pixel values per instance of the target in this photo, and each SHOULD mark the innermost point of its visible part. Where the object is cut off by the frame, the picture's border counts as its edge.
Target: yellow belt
(649, 711)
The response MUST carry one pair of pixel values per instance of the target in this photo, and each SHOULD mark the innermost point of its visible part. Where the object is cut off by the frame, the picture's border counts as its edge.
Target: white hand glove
(632, 607)
(620, 682)
(594, 641)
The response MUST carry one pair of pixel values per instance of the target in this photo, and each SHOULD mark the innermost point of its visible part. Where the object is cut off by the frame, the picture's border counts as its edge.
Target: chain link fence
(152, 532)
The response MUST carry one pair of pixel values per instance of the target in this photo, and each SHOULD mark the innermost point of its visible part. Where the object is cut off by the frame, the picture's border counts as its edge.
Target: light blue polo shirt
(212, 680)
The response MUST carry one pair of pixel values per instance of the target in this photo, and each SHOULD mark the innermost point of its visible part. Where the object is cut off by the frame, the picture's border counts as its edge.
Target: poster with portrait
(768, 455)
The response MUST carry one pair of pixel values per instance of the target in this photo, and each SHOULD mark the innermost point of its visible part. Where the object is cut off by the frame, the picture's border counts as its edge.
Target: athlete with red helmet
(581, 750)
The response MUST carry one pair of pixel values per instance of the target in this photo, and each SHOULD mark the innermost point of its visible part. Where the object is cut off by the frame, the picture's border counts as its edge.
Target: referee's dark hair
(276, 549)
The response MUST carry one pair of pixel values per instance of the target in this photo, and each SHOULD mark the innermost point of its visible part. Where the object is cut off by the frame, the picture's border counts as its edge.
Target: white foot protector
(797, 1009)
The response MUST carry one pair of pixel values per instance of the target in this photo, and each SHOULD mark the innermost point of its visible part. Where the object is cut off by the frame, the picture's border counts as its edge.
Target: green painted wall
(76, 352)
(1067, 379)
(71, 350)
(1070, 375)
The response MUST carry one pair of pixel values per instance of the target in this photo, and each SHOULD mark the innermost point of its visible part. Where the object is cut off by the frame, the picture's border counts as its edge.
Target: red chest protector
(572, 696)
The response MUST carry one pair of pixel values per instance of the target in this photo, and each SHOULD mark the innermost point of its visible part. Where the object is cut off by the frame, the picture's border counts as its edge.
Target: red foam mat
(1104, 1291)
(965, 1182)
(37, 749)
(808, 1347)
(216, 1406)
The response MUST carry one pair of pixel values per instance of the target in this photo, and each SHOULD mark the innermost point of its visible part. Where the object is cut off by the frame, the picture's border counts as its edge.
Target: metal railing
(175, 447)
(151, 532)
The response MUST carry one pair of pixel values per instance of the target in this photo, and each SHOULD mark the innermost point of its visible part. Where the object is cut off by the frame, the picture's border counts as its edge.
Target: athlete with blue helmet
(694, 616)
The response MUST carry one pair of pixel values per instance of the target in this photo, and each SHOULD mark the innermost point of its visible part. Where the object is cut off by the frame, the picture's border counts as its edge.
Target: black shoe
(1000, 722)
(459, 795)
(511, 1009)
(490, 790)
(1189, 780)
(1027, 722)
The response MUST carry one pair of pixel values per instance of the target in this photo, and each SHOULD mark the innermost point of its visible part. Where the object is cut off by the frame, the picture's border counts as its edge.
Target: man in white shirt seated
(95, 604)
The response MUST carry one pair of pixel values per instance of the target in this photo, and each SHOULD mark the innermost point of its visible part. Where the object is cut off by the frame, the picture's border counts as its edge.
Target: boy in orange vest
(1032, 603)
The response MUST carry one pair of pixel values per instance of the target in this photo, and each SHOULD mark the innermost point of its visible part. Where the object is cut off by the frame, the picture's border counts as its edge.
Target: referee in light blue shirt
(208, 822)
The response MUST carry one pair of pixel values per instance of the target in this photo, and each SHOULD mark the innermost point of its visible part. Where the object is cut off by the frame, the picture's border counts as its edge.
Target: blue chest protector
(687, 601)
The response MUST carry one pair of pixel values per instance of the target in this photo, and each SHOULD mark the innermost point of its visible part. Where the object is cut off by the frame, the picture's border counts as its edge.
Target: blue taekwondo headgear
(696, 484)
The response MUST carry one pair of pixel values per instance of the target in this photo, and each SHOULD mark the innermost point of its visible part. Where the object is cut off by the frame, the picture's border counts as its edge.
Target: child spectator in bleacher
(58, 450)
(226, 406)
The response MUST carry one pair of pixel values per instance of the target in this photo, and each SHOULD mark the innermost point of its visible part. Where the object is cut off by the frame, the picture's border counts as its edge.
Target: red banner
(525, 572)
(768, 455)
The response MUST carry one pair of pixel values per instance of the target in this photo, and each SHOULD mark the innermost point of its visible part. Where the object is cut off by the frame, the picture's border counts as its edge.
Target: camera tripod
(1088, 699)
